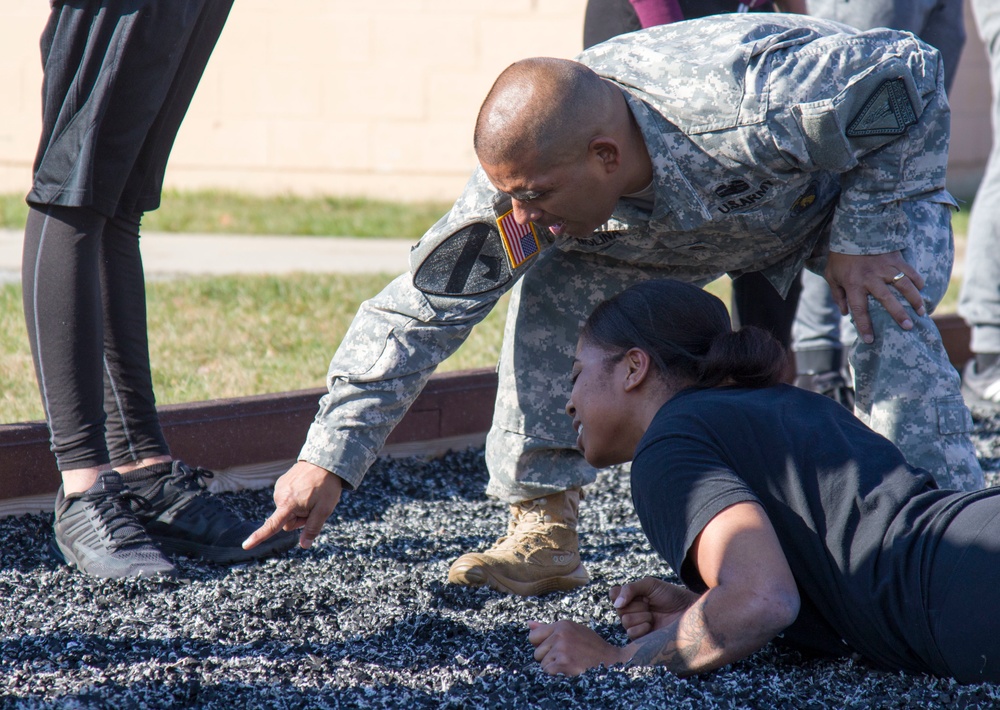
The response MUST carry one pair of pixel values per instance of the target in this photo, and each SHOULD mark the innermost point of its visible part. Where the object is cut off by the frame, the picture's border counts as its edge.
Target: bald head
(543, 107)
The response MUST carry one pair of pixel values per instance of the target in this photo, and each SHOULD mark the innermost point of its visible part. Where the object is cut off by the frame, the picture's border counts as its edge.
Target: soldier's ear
(608, 151)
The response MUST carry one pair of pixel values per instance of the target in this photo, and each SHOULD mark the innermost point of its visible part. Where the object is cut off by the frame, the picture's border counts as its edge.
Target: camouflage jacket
(771, 137)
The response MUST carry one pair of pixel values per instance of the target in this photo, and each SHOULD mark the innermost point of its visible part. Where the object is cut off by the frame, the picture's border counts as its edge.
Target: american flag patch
(520, 241)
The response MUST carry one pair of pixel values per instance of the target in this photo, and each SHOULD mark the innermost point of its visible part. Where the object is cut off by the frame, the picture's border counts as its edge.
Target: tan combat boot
(539, 554)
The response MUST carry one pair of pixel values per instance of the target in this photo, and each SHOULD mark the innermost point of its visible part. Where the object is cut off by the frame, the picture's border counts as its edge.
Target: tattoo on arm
(678, 647)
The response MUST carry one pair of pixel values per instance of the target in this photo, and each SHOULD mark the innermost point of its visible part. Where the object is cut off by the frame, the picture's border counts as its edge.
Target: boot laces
(529, 515)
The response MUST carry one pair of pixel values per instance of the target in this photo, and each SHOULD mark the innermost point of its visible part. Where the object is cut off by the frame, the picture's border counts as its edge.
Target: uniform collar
(673, 193)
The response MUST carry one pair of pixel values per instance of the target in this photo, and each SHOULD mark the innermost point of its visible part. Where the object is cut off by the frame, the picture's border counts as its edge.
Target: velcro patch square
(519, 240)
(888, 111)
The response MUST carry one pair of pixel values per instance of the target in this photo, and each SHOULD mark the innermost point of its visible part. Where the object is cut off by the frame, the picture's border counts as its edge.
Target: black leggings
(85, 308)
(119, 76)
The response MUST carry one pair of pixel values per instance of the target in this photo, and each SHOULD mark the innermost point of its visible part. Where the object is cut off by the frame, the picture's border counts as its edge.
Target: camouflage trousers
(906, 388)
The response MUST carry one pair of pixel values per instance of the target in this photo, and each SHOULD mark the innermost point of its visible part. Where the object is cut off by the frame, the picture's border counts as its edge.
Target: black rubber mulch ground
(365, 619)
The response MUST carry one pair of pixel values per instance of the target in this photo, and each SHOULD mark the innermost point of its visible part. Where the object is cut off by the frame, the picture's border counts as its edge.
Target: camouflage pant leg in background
(531, 448)
(907, 390)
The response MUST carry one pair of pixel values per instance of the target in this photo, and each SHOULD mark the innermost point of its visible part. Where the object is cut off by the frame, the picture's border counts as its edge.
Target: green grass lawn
(232, 336)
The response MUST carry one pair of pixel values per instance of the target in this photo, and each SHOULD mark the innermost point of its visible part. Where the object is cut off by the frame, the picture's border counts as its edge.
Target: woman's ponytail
(748, 357)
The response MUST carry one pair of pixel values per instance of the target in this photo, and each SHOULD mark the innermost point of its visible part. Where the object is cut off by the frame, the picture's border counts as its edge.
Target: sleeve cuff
(868, 232)
(337, 453)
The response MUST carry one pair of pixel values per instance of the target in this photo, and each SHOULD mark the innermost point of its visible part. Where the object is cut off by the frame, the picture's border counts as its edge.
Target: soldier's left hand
(854, 277)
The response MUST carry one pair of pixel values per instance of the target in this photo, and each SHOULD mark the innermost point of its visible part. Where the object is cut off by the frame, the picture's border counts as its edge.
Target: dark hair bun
(748, 357)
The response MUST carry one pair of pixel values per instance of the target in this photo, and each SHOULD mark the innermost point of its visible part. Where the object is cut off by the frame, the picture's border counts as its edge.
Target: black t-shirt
(857, 525)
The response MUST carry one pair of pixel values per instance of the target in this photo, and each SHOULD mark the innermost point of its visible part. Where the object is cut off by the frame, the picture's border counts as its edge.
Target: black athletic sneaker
(981, 390)
(183, 518)
(97, 532)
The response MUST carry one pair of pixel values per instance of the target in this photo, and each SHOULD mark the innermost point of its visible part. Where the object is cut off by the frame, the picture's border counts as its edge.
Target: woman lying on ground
(780, 511)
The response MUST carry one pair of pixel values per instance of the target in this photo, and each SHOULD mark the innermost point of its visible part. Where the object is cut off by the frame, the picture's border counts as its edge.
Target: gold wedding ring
(897, 277)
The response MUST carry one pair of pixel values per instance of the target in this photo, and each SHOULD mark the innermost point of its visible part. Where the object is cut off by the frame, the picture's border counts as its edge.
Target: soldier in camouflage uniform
(721, 145)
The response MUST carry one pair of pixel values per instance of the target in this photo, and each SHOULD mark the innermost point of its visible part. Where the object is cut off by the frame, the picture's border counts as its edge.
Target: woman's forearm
(713, 632)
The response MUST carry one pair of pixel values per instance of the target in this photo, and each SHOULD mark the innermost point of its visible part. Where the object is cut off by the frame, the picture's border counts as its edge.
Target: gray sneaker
(183, 518)
(97, 532)
(981, 390)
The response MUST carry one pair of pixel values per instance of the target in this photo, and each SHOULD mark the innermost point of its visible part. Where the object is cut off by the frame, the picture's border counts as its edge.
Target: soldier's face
(572, 198)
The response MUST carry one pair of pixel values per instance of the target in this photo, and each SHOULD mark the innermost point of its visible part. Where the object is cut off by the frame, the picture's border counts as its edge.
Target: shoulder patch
(887, 112)
(470, 262)
(520, 241)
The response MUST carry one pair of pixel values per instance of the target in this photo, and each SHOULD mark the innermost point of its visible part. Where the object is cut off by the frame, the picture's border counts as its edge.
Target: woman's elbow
(780, 608)
(770, 609)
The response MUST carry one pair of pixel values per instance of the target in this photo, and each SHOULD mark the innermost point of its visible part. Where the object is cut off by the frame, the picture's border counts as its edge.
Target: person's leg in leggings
(130, 176)
(135, 439)
(133, 428)
(62, 307)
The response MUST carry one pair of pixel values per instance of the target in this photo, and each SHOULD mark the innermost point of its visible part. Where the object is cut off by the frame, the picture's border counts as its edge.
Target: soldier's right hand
(304, 497)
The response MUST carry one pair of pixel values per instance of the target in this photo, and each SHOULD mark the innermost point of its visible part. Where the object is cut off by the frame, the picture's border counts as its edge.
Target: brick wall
(324, 96)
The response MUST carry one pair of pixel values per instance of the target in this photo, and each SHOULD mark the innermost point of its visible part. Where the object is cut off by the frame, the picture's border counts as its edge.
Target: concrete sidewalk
(166, 255)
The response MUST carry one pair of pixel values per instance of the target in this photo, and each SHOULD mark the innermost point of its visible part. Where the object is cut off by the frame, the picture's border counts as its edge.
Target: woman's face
(598, 405)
